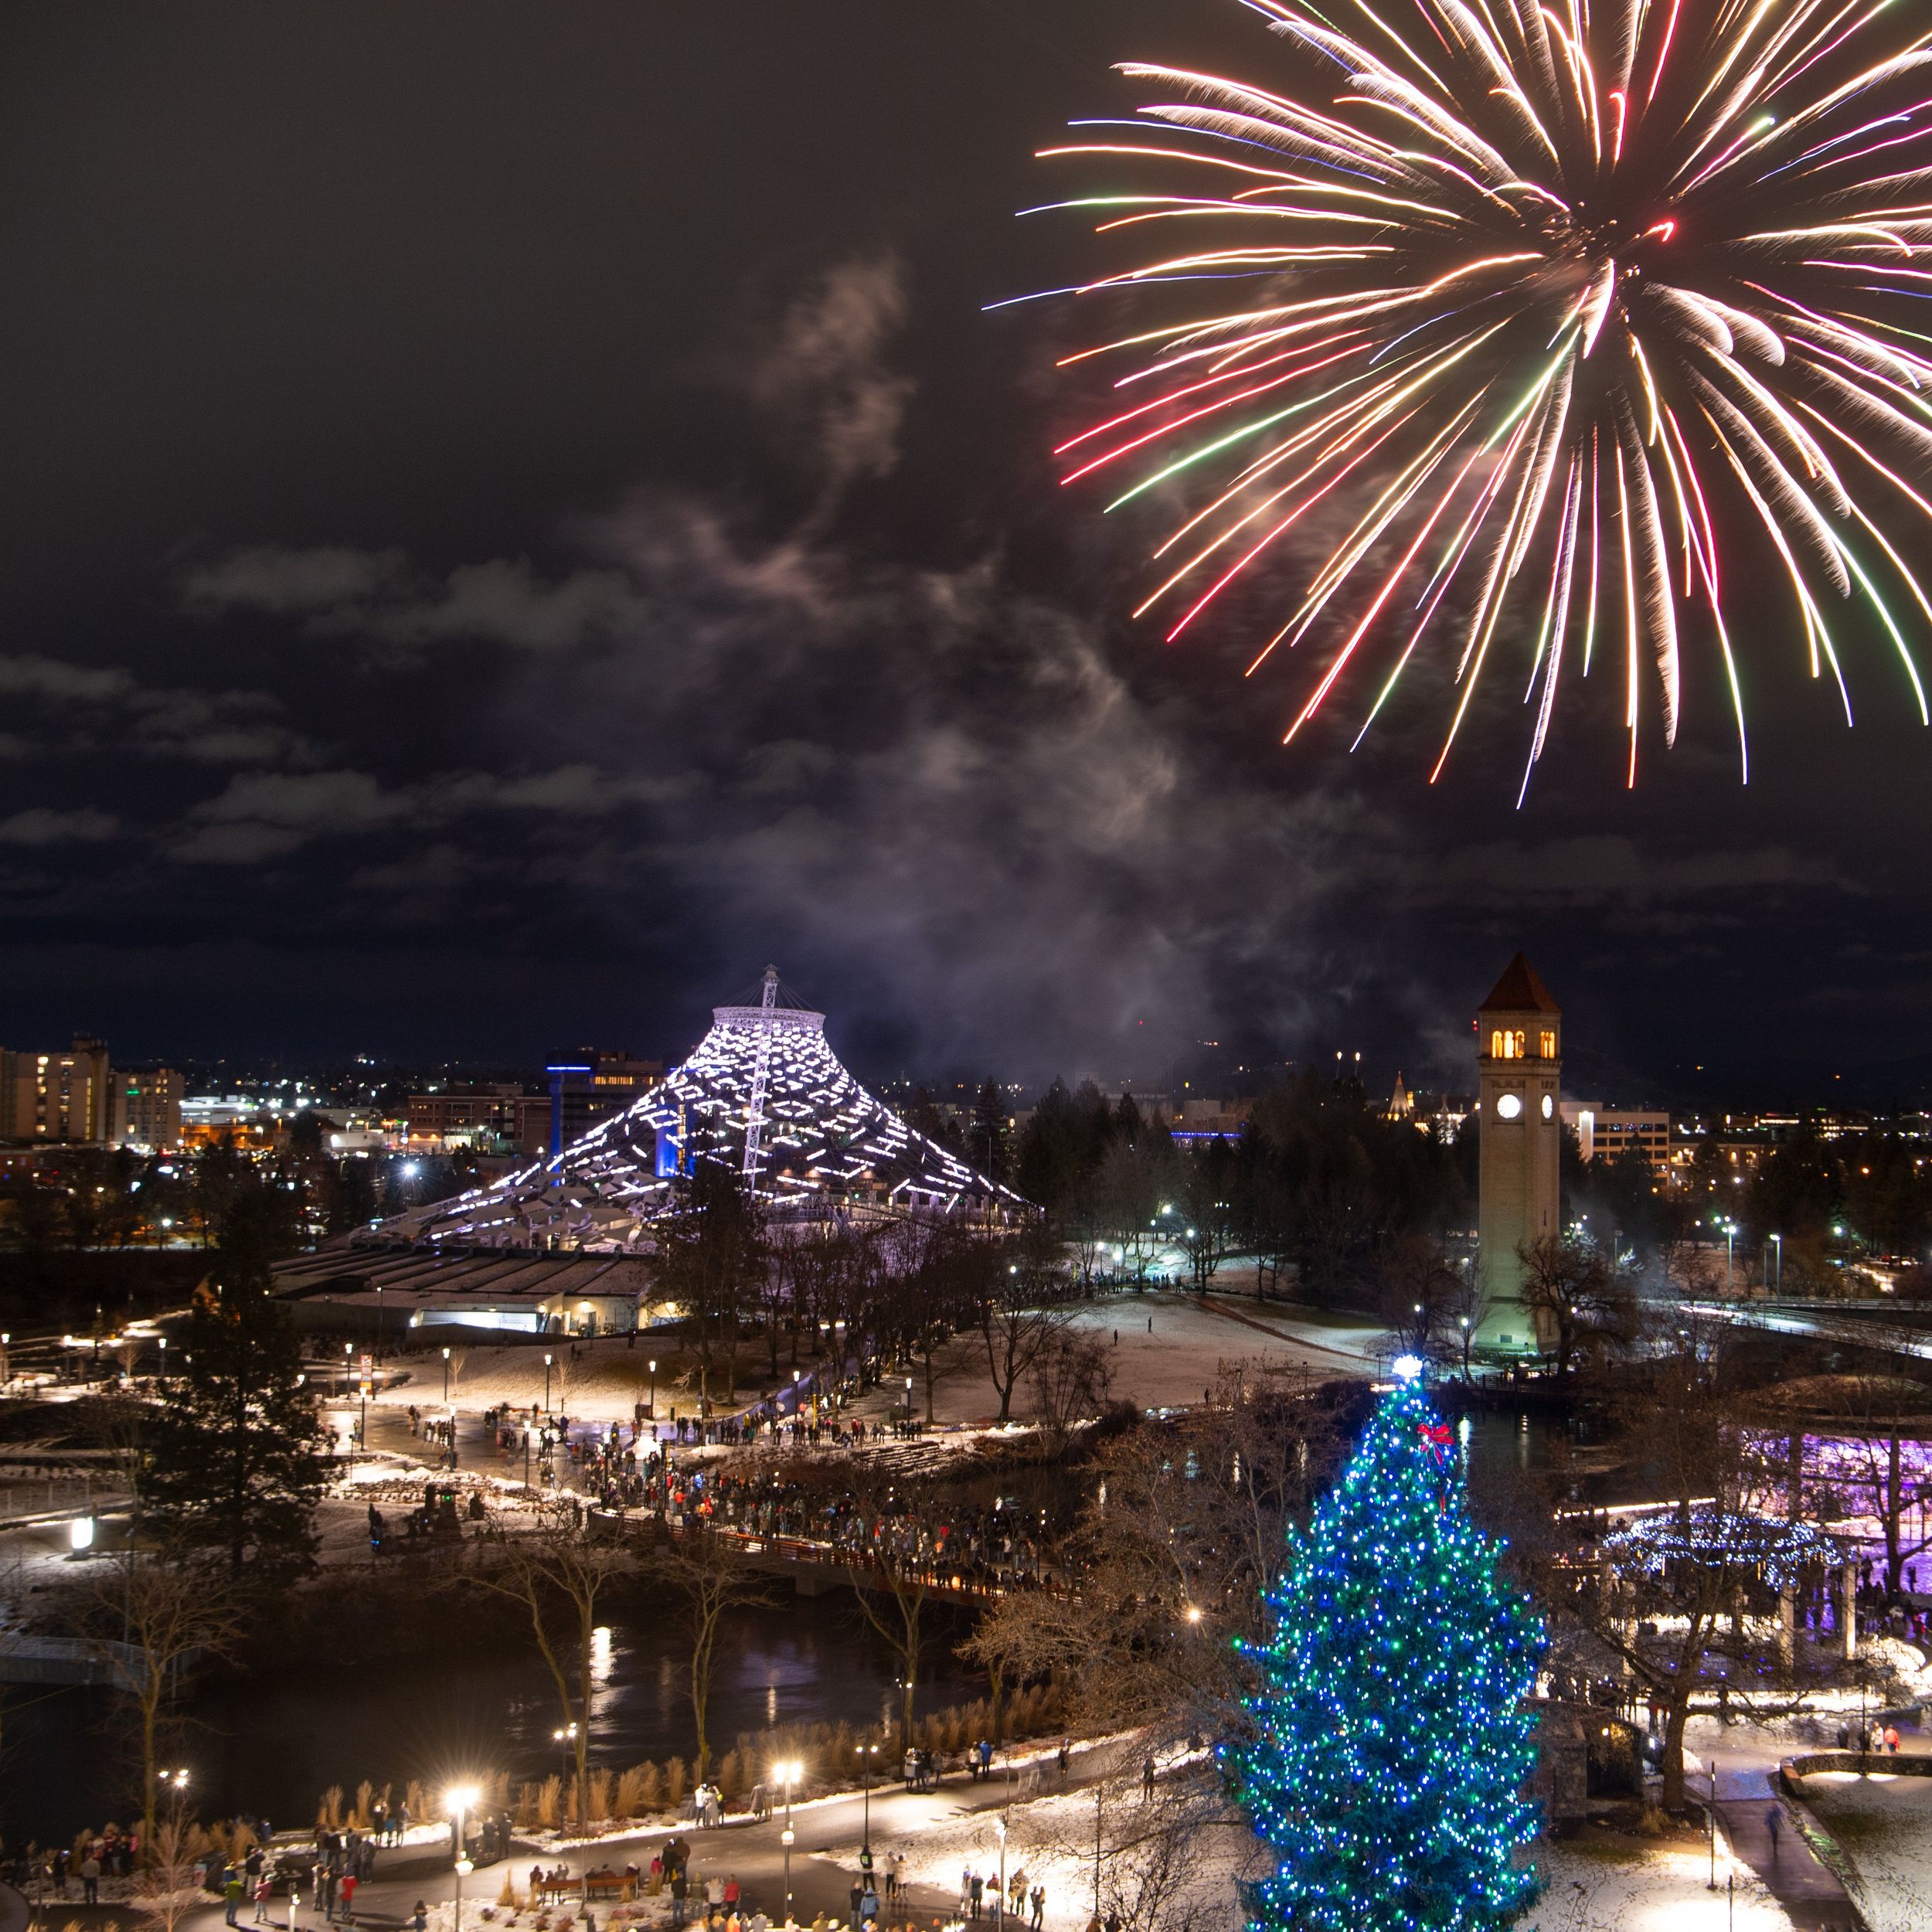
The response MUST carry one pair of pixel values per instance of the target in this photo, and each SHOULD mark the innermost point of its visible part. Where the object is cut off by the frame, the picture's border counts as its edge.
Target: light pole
(1778, 1249)
(547, 1385)
(1100, 1785)
(446, 1377)
(379, 1321)
(348, 1351)
(1713, 1824)
(866, 1753)
(566, 1742)
(650, 1407)
(462, 1799)
(787, 1773)
(999, 1825)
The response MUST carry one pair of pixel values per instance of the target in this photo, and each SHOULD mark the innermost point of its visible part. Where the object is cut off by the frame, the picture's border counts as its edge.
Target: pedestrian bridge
(68, 1660)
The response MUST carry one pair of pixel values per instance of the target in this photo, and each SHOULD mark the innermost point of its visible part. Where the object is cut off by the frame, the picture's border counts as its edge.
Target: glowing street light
(460, 1798)
(788, 1772)
(867, 1754)
(546, 1384)
(446, 1377)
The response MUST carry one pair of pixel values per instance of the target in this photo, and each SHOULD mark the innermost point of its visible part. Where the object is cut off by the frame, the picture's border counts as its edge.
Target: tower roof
(1520, 991)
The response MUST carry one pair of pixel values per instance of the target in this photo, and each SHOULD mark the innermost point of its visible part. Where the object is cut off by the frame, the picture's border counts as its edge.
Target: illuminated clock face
(1549, 1107)
(1508, 1106)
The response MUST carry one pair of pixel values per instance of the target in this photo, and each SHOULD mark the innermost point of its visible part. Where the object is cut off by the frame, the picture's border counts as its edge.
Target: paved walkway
(1809, 1891)
(750, 1849)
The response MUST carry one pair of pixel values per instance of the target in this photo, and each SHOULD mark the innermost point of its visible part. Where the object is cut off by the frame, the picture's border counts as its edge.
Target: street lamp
(650, 1407)
(566, 1741)
(446, 1377)
(999, 1825)
(1714, 1885)
(348, 1351)
(866, 1753)
(462, 1798)
(379, 1321)
(787, 1773)
(1777, 1248)
(547, 1385)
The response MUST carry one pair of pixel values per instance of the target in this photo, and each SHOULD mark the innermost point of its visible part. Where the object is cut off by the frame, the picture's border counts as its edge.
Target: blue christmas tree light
(1392, 1737)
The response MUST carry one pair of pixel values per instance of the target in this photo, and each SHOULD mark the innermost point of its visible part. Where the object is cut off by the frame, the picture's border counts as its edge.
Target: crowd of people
(974, 1547)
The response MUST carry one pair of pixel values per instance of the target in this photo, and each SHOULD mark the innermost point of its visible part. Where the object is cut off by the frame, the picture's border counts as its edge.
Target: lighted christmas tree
(1392, 1739)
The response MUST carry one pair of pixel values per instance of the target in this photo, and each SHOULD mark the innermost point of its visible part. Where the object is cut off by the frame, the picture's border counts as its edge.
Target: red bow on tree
(1436, 1432)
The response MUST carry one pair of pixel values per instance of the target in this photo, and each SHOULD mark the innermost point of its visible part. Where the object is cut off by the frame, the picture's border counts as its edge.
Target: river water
(273, 1747)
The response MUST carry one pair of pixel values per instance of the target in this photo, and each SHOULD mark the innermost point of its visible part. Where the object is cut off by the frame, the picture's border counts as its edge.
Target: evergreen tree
(987, 1152)
(1392, 1741)
(231, 1468)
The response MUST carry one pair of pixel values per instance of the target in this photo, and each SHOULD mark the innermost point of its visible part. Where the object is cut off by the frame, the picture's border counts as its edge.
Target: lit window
(1548, 1049)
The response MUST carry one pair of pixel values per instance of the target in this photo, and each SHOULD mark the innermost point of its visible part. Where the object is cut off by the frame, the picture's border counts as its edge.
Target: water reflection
(275, 1746)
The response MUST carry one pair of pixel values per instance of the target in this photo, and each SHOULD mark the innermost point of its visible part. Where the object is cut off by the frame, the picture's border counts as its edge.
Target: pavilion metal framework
(763, 1095)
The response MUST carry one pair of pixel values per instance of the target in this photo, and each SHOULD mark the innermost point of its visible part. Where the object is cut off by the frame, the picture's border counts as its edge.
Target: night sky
(514, 515)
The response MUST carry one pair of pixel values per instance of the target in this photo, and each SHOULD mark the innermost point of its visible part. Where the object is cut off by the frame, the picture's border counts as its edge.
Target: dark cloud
(39, 826)
(520, 518)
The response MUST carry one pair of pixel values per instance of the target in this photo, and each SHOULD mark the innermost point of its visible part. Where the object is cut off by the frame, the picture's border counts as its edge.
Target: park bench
(612, 1885)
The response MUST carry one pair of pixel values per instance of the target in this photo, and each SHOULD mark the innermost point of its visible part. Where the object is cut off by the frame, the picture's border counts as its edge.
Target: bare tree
(1072, 1378)
(1022, 1305)
(707, 1573)
(1184, 1529)
(1211, 1232)
(556, 1574)
(1419, 1294)
(168, 1887)
(945, 1268)
(1677, 1624)
(1576, 1296)
(149, 1619)
(1470, 1306)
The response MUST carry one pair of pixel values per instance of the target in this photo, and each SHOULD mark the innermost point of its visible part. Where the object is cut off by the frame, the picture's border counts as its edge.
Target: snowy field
(1168, 1365)
(1883, 1824)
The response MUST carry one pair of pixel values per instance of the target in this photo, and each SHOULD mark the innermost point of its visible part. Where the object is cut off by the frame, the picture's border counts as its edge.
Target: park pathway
(1809, 1890)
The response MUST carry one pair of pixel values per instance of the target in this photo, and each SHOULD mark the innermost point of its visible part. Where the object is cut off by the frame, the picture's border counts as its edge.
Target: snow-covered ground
(1601, 1882)
(1166, 1366)
(1630, 1885)
(1883, 1824)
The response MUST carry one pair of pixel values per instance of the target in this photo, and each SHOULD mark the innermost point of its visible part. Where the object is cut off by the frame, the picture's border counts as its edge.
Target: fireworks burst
(1548, 298)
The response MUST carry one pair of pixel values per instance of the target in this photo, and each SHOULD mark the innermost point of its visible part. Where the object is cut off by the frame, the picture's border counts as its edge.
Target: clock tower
(1519, 1071)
